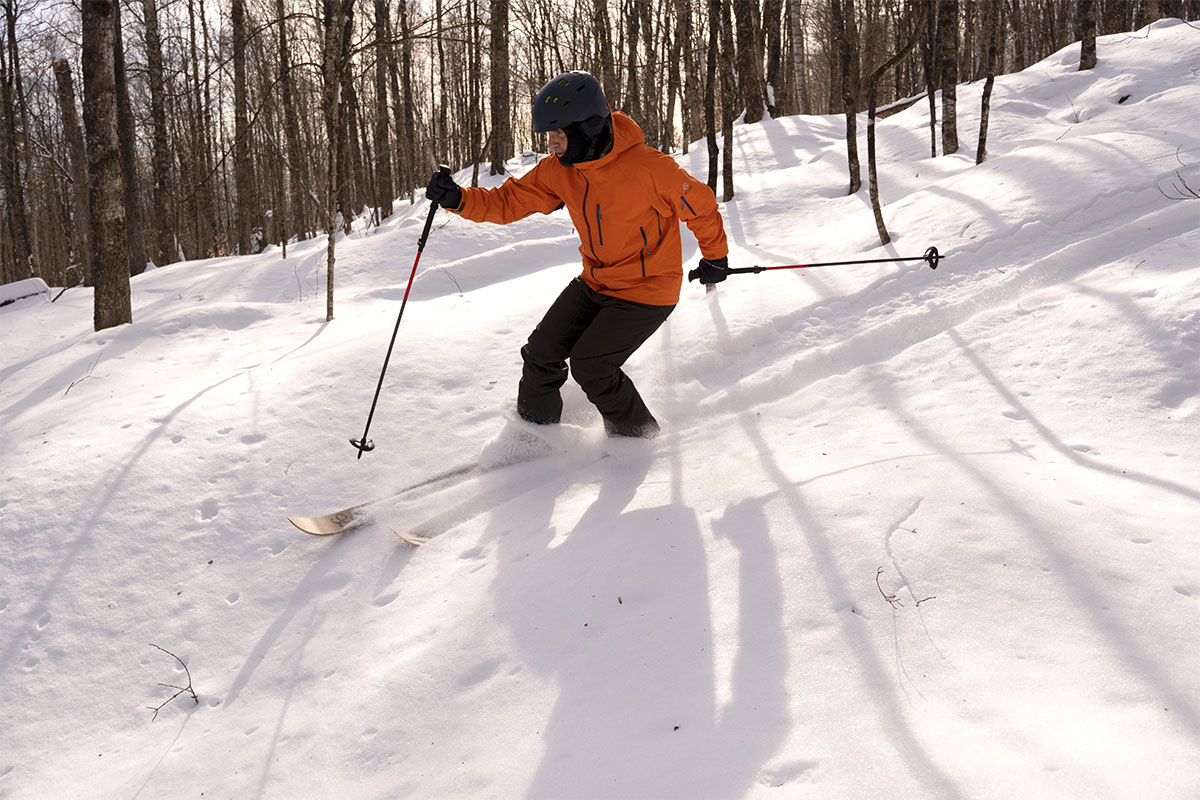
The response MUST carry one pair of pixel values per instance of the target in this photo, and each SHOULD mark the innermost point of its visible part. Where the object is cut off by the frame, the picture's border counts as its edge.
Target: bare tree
(729, 104)
(797, 24)
(110, 267)
(501, 111)
(81, 216)
(297, 207)
(164, 249)
(243, 167)
(710, 95)
(1087, 29)
(128, 146)
(20, 265)
(337, 14)
(383, 149)
(991, 11)
(872, 85)
(948, 46)
(750, 81)
(847, 45)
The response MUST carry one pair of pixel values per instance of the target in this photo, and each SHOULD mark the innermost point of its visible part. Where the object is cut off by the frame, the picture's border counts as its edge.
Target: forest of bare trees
(212, 127)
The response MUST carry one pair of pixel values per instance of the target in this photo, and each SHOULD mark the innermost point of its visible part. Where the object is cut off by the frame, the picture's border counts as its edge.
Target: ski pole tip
(362, 446)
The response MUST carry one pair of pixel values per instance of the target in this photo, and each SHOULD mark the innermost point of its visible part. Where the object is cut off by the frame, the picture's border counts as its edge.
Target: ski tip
(331, 525)
(410, 538)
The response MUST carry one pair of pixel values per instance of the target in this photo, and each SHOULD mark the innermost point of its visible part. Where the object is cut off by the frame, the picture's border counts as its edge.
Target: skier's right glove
(711, 270)
(444, 191)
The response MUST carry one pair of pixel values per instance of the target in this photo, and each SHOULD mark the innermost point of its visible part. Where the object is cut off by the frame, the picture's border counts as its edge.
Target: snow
(18, 290)
(1006, 447)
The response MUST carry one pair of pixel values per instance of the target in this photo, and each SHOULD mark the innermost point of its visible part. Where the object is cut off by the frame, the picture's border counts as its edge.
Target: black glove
(444, 191)
(711, 270)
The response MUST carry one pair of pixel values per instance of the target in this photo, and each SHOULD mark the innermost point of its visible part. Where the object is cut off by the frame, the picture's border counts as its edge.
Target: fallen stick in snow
(181, 689)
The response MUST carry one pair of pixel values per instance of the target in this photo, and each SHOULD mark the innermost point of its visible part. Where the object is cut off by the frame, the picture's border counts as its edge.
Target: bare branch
(892, 600)
(181, 689)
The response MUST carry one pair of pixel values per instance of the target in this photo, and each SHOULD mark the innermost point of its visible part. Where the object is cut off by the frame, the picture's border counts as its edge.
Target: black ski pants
(597, 333)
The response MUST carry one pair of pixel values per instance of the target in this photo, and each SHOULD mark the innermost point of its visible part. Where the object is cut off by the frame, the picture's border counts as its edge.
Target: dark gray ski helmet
(571, 97)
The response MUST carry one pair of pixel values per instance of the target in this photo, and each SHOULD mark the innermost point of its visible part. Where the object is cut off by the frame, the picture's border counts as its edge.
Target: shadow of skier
(627, 637)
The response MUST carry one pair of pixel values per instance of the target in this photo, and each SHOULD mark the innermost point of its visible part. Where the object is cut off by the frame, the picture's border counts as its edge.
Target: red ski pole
(365, 445)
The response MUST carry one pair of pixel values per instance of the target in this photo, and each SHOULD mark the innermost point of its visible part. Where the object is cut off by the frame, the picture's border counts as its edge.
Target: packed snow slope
(909, 533)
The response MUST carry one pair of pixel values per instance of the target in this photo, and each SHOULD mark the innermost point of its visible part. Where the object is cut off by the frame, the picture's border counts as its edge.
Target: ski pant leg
(545, 353)
(620, 328)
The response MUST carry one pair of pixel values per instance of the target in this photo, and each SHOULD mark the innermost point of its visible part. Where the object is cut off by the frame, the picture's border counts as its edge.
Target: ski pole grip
(444, 169)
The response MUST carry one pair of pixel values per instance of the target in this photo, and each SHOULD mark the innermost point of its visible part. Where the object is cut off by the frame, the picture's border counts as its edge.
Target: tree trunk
(334, 63)
(991, 30)
(844, 30)
(21, 264)
(243, 167)
(164, 247)
(385, 192)
(872, 84)
(948, 45)
(346, 132)
(930, 60)
(128, 146)
(710, 102)
(633, 96)
(297, 214)
(604, 48)
(799, 56)
(410, 111)
(749, 60)
(501, 110)
(110, 267)
(1087, 29)
(20, 106)
(729, 103)
(81, 215)
(777, 94)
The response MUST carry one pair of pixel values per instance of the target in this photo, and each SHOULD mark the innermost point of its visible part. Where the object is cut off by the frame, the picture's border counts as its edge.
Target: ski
(523, 444)
(347, 519)
(410, 538)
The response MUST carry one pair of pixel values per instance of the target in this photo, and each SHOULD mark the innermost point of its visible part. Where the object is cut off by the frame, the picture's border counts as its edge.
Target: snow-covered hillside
(909, 533)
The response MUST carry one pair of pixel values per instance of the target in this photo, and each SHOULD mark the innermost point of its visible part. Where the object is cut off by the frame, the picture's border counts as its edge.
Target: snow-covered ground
(908, 534)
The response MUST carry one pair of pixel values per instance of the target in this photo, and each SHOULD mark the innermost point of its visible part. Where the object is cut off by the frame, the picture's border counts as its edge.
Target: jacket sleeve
(515, 199)
(695, 204)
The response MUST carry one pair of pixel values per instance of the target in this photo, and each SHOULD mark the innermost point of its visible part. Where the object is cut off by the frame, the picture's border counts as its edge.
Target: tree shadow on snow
(877, 685)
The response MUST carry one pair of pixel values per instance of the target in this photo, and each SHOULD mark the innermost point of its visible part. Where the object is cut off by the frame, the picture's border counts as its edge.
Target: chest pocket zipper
(645, 250)
(599, 228)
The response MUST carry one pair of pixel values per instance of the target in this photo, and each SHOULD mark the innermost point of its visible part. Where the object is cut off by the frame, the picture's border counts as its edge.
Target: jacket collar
(626, 134)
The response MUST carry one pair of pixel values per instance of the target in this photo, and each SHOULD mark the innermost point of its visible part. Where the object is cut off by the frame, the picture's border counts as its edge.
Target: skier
(626, 200)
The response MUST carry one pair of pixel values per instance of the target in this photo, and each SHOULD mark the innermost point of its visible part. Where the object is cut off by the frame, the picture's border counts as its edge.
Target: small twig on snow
(85, 377)
(181, 689)
(892, 600)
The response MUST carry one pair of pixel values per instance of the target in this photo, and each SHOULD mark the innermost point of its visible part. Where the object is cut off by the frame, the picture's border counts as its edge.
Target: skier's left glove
(711, 270)
(444, 191)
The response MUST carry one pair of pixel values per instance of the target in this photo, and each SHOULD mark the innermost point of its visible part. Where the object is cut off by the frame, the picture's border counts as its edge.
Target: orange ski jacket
(626, 207)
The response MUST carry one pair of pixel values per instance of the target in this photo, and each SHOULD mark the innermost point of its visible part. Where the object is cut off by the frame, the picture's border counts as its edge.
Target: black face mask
(587, 140)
